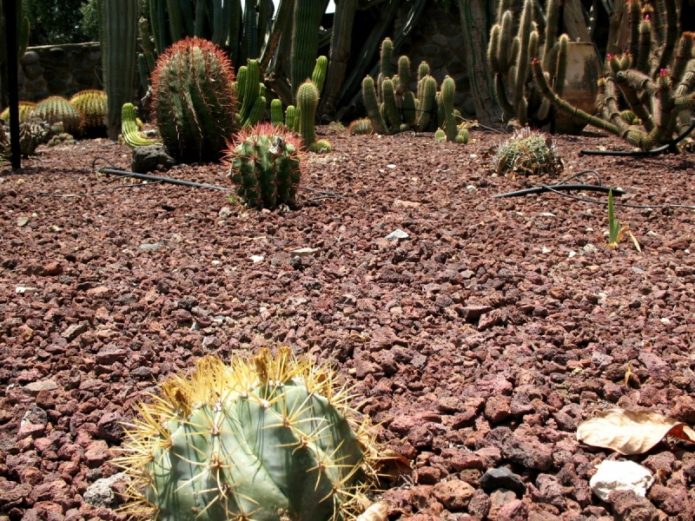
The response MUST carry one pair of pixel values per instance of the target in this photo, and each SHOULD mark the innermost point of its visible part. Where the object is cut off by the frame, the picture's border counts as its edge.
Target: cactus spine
(269, 438)
(265, 166)
(118, 56)
(308, 102)
(194, 101)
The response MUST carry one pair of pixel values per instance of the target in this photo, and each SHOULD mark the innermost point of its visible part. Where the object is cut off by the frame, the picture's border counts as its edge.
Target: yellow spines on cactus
(91, 104)
(56, 109)
(269, 437)
(25, 110)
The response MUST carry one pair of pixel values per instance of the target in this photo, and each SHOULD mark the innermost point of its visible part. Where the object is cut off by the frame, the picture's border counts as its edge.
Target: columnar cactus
(305, 40)
(276, 115)
(194, 101)
(655, 81)
(269, 438)
(92, 106)
(318, 76)
(56, 109)
(251, 99)
(307, 103)
(264, 164)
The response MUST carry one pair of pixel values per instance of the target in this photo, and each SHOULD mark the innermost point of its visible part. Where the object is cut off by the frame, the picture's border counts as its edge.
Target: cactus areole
(265, 439)
(195, 105)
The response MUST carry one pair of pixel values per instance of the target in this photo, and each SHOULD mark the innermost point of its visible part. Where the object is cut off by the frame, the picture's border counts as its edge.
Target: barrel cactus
(25, 110)
(55, 110)
(194, 102)
(91, 104)
(264, 165)
(267, 438)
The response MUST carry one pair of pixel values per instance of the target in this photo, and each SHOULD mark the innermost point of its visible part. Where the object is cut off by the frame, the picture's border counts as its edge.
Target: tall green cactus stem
(130, 131)
(318, 76)
(56, 109)
(404, 75)
(427, 117)
(92, 106)
(386, 69)
(307, 103)
(264, 165)
(119, 19)
(305, 40)
(391, 112)
(371, 103)
(271, 438)
(276, 114)
(249, 92)
(291, 118)
(194, 101)
(447, 95)
(341, 43)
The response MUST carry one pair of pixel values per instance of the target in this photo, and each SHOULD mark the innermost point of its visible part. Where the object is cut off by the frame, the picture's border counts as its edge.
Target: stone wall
(59, 70)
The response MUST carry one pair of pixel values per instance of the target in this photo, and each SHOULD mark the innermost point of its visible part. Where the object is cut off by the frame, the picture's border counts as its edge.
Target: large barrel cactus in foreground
(194, 103)
(268, 439)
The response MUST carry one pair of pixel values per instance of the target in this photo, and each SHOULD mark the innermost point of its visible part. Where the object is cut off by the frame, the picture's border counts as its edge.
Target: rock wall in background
(59, 70)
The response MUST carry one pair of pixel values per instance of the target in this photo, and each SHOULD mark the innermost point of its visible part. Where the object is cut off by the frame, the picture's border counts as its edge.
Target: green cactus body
(404, 76)
(307, 103)
(56, 109)
(130, 131)
(409, 109)
(390, 108)
(92, 106)
(371, 103)
(257, 112)
(318, 76)
(291, 117)
(447, 96)
(266, 439)
(462, 135)
(423, 70)
(276, 114)
(26, 108)
(305, 40)
(194, 101)
(386, 58)
(251, 89)
(241, 83)
(361, 126)
(427, 104)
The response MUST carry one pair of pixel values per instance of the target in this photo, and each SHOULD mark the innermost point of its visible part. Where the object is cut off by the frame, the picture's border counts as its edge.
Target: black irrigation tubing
(566, 187)
(161, 179)
(671, 146)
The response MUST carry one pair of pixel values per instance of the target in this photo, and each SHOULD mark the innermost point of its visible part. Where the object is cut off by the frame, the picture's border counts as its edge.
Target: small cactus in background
(92, 106)
(57, 110)
(361, 126)
(307, 103)
(528, 152)
(268, 438)
(291, 118)
(318, 76)
(32, 133)
(194, 101)
(251, 94)
(264, 165)
(25, 110)
(277, 117)
(130, 130)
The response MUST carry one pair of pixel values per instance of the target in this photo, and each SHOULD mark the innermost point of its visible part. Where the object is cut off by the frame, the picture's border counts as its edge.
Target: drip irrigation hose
(671, 146)
(552, 188)
(160, 179)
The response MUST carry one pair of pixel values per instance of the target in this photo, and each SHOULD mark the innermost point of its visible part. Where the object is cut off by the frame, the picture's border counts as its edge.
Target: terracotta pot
(580, 87)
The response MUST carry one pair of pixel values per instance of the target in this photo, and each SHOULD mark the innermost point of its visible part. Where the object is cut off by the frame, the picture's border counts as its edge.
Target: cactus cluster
(56, 110)
(392, 107)
(654, 79)
(251, 93)
(267, 438)
(92, 107)
(527, 152)
(513, 44)
(194, 100)
(264, 164)
(32, 133)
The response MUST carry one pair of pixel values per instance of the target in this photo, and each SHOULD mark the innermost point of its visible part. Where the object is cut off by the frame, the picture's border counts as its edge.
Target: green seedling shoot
(616, 231)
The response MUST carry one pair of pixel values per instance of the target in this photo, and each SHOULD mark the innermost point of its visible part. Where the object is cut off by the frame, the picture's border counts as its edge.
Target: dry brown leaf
(631, 432)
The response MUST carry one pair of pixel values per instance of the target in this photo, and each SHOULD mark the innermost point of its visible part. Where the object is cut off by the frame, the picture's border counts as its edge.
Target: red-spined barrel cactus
(264, 164)
(269, 438)
(194, 102)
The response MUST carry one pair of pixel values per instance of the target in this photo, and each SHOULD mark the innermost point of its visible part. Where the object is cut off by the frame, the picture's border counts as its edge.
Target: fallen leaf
(376, 512)
(631, 432)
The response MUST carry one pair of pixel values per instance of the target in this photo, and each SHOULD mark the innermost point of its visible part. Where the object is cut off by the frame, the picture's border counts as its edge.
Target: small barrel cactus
(269, 438)
(361, 126)
(56, 109)
(25, 110)
(264, 164)
(194, 101)
(91, 104)
(528, 152)
(130, 131)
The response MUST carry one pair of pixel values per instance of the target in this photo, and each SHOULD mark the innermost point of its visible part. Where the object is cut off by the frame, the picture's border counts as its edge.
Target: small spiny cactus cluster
(32, 133)
(269, 438)
(528, 152)
(264, 164)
